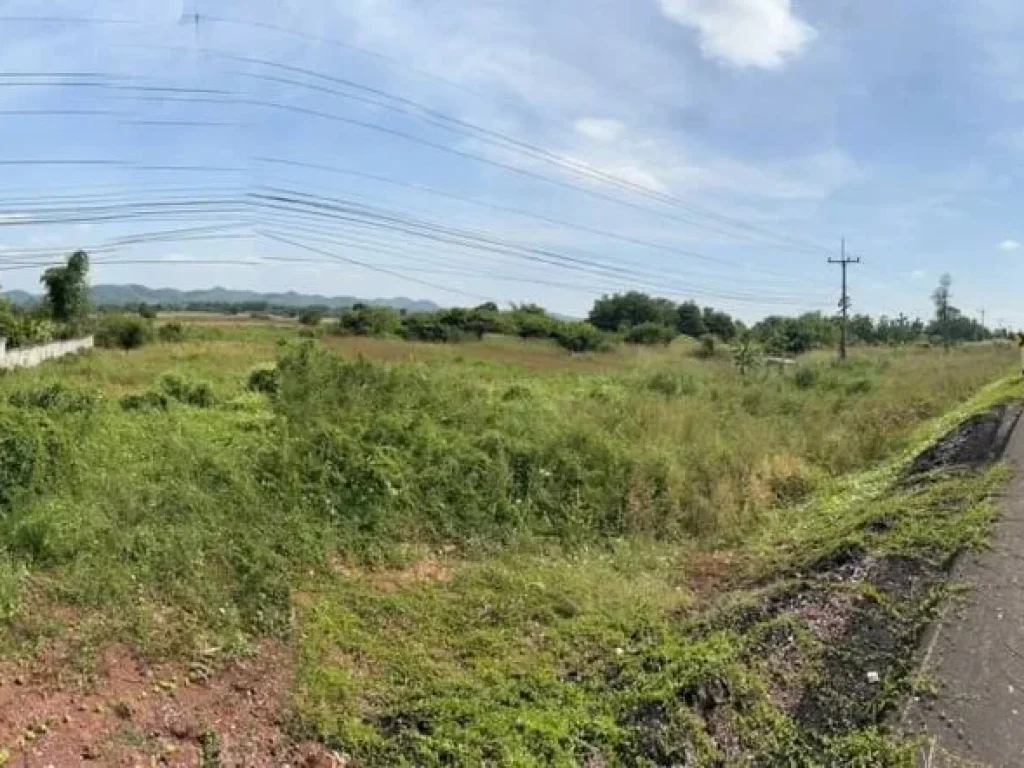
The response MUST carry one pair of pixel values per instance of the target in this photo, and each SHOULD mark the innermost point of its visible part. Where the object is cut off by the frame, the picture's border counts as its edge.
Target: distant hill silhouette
(121, 295)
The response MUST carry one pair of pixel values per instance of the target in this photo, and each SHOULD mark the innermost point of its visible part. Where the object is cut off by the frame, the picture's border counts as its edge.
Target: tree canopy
(67, 288)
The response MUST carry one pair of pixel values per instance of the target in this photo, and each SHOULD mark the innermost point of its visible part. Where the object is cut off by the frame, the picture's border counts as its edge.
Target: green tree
(67, 289)
(862, 328)
(719, 324)
(690, 320)
(362, 320)
(311, 317)
(625, 310)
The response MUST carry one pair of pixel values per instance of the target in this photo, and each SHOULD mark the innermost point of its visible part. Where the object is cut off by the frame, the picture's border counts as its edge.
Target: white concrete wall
(29, 357)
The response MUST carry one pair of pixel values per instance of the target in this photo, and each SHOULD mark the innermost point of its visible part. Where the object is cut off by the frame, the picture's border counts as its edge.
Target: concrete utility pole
(982, 311)
(844, 301)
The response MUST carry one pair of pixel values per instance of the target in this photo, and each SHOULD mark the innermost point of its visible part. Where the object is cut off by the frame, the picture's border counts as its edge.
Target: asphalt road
(975, 652)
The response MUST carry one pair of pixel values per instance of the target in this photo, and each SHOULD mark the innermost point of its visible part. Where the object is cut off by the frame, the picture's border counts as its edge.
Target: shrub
(428, 327)
(532, 325)
(147, 312)
(369, 321)
(670, 384)
(30, 450)
(707, 347)
(806, 378)
(746, 356)
(171, 332)
(144, 401)
(311, 317)
(56, 396)
(22, 329)
(177, 387)
(264, 379)
(117, 331)
(580, 337)
(650, 333)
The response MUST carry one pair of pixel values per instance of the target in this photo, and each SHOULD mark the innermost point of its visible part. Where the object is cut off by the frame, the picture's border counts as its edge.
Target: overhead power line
(617, 236)
(374, 268)
(721, 223)
(390, 222)
(359, 244)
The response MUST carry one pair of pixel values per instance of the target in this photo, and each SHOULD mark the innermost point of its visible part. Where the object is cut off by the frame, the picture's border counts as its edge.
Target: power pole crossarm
(844, 301)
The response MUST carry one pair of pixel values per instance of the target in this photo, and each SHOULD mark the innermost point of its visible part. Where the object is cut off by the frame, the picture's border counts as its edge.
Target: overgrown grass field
(490, 553)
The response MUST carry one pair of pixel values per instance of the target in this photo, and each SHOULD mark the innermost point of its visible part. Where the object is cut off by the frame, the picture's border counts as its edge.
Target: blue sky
(717, 149)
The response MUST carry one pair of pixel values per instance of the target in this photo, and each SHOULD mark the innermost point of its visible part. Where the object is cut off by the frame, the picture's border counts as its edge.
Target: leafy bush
(30, 452)
(311, 317)
(650, 333)
(806, 377)
(55, 396)
(22, 329)
(369, 321)
(264, 379)
(580, 337)
(671, 384)
(144, 401)
(119, 331)
(147, 312)
(707, 347)
(182, 389)
(171, 332)
(430, 327)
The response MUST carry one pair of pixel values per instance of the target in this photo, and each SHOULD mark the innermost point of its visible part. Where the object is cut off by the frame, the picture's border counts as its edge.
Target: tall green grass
(187, 496)
(195, 498)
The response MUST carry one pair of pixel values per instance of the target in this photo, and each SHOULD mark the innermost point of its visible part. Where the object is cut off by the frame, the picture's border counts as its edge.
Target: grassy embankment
(493, 552)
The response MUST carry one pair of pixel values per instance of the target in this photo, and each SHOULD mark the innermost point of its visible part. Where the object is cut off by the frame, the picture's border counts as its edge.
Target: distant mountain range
(121, 295)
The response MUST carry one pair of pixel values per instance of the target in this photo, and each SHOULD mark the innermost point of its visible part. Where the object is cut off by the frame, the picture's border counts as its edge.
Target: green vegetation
(495, 552)
(67, 289)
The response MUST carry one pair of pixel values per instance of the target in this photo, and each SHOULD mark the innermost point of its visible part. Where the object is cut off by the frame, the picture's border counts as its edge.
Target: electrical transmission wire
(408, 106)
(619, 237)
(283, 207)
(658, 281)
(482, 242)
(374, 268)
(722, 224)
(298, 232)
(390, 60)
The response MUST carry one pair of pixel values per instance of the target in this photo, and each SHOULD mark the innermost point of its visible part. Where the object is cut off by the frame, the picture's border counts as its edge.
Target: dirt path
(976, 651)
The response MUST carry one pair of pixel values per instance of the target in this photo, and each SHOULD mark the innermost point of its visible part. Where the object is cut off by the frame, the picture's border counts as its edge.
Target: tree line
(632, 317)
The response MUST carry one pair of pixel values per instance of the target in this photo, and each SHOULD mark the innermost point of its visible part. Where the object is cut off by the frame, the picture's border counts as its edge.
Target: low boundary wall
(29, 357)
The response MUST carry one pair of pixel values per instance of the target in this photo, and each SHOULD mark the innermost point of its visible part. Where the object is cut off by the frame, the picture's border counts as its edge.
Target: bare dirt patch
(977, 441)
(128, 712)
(429, 570)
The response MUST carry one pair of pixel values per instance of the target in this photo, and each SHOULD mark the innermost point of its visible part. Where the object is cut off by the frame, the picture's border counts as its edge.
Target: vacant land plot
(252, 548)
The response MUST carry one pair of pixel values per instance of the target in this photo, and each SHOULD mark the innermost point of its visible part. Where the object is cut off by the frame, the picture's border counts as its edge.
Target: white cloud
(1010, 245)
(600, 129)
(917, 274)
(744, 33)
(637, 176)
